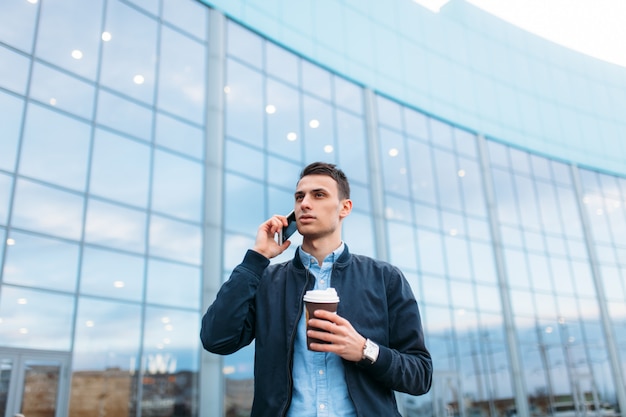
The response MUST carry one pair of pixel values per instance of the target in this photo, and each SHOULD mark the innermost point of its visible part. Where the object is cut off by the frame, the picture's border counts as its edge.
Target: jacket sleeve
(404, 365)
(229, 323)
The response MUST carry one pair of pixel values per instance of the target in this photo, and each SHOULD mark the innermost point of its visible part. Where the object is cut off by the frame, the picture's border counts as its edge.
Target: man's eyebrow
(315, 190)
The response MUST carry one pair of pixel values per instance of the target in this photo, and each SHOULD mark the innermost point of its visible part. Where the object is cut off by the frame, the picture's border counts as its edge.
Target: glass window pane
(402, 246)
(415, 124)
(120, 169)
(283, 173)
(56, 267)
(106, 273)
(447, 180)
(430, 252)
(182, 75)
(33, 319)
(465, 142)
(69, 36)
(125, 116)
(237, 214)
(483, 262)
(244, 160)
(177, 186)
(11, 111)
(389, 113)
(441, 134)
(457, 256)
(175, 240)
(173, 334)
(284, 136)
(106, 344)
(358, 233)
(348, 95)
(14, 70)
(281, 63)
(190, 16)
(393, 155)
(6, 185)
(244, 102)
(351, 140)
(62, 91)
(162, 290)
(17, 24)
(179, 136)
(319, 132)
(470, 179)
(55, 148)
(315, 80)
(422, 180)
(244, 45)
(115, 226)
(129, 51)
(47, 210)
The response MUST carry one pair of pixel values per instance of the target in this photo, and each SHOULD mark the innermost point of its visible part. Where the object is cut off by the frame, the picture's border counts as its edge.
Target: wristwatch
(370, 351)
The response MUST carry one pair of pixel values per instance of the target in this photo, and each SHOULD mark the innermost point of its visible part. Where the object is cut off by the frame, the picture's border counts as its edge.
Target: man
(375, 344)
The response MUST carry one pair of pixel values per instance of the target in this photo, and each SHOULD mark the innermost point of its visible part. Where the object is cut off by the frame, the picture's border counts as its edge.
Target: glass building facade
(142, 142)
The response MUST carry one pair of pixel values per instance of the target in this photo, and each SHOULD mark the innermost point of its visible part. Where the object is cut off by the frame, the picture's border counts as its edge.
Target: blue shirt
(320, 388)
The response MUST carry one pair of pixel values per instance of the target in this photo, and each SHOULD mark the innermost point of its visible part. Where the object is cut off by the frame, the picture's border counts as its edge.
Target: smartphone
(286, 232)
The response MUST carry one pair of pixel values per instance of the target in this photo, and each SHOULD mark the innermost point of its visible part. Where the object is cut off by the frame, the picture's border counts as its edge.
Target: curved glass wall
(517, 260)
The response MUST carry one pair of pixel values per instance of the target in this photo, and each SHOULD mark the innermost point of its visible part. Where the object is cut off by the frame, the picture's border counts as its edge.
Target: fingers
(265, 243)
(341, 337)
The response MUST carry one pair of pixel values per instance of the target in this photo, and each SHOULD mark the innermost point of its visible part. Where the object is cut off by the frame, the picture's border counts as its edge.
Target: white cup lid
(329, 295)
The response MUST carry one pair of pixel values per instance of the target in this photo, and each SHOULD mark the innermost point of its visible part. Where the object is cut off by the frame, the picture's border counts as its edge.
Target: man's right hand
(265, 243)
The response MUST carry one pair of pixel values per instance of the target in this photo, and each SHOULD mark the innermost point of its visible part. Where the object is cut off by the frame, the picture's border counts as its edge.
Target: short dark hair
(330, 170)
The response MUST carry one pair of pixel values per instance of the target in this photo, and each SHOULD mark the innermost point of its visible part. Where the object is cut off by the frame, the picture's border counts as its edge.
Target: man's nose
(306, 202)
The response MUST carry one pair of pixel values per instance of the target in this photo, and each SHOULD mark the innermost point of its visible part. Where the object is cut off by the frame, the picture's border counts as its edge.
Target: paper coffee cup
(319, 300)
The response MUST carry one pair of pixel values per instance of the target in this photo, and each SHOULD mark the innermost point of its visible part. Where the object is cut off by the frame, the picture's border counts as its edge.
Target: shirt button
(322, 281)
(321, 371)
(322, 406)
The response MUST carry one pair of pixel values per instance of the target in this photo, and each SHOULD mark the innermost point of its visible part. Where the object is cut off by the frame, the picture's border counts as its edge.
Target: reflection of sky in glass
(47, 210)
(107, 334)
(115, 226)
(35, 319)
(56, 266)
(10, 123)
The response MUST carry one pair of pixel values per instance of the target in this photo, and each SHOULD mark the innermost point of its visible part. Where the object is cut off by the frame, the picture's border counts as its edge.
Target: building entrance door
(33, 383)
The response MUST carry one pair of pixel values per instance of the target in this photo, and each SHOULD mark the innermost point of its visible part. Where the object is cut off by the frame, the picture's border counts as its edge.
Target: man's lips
(306, 218)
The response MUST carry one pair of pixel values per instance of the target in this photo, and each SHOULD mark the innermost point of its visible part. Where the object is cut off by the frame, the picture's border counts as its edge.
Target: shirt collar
(331, 257)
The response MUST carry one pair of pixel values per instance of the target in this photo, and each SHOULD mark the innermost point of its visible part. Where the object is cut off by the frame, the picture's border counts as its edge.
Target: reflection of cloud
(175, 240)
(235, 247)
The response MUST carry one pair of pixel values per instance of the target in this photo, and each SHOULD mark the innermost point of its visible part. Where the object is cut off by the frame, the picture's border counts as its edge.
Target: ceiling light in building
(53, 101)
(227, 370)
(90, 323)
(76, 54)
(314, 123)
(106, 36)
(453, 232)
(549, 329)
(167, 341)
(328, 148)
(138, 79)
(599, 212)
(292, 136)
(10, 242)
(461, 173)
(460, 312)
(270, 109)
(23, 330)
(169, 327)
(226, 89)
(165, 320)
(118, 284)
(432, 5)
(22, 301)
(33, 1)
(393, 152)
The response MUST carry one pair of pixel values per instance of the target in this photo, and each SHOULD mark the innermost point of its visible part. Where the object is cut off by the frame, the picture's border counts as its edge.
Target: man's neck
(320, 248)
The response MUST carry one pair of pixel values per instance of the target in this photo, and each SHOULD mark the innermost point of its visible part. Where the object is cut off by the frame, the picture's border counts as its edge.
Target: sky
(594, 27)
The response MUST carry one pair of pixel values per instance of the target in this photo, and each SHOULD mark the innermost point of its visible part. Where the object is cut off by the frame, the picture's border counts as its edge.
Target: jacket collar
(341, 262)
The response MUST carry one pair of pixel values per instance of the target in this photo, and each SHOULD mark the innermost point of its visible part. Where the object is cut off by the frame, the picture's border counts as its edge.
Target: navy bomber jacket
(264, 302)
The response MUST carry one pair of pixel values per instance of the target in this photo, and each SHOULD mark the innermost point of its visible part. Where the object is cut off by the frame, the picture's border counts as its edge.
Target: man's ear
(346, 208)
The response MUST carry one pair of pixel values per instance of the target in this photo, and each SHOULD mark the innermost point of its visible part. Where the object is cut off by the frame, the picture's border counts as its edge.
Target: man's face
(319, 210)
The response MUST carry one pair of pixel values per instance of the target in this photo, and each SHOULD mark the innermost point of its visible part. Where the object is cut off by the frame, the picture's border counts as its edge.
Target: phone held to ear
(286, 232)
